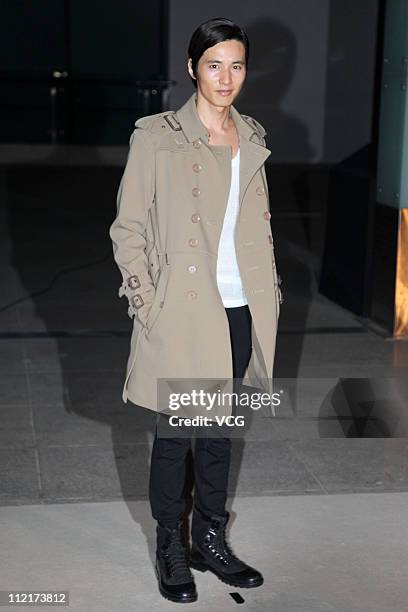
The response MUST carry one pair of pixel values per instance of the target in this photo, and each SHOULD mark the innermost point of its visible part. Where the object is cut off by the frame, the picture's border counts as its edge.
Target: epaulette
(258, 127)
(160, 122)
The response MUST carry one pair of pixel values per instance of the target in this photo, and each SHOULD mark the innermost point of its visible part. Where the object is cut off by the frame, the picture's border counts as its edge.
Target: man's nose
(225, 77)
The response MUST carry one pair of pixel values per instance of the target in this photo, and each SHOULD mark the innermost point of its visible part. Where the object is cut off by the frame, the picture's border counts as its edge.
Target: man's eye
(216, 66)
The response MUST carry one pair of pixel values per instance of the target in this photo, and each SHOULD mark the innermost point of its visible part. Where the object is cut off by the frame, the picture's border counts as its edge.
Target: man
(182, 326)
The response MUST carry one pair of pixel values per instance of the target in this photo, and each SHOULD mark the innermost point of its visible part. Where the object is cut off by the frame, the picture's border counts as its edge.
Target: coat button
(192, 269)
(197, 144)
(260, 190)
(191, 295)
(267, 215)
(197, 167)
(195, 191)
(195, 218)
(193, 242)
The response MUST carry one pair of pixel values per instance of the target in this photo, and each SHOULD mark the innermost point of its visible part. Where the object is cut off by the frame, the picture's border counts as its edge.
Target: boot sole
(166, 595)
(203, 568)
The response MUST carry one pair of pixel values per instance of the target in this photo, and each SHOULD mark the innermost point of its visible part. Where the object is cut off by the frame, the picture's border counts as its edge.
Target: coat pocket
(277, 281)
(154, 264)
(159, 298)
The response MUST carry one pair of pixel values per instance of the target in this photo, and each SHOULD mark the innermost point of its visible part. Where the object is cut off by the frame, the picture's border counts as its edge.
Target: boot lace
(217, 543)
(176, 557)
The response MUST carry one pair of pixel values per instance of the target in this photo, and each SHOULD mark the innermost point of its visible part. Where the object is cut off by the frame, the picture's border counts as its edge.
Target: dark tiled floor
(64, 342)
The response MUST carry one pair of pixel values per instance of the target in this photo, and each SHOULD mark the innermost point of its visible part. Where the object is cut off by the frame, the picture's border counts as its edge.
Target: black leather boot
(210, 551)
(176, 581)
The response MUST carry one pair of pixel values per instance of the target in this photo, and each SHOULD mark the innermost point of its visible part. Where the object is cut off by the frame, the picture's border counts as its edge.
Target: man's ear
(190, 70)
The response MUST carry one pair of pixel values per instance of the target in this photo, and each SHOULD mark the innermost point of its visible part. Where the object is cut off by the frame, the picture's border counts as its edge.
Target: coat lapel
(253, 156)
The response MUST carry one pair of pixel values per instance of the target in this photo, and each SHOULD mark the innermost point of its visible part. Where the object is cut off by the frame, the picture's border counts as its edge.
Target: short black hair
(210, 33)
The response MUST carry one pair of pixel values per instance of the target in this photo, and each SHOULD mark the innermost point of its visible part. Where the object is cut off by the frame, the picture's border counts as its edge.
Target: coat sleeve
(128, 231)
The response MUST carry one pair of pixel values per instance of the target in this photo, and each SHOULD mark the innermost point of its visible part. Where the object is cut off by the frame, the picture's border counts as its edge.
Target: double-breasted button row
(195, 218)
(260, 190)
(192, 295)
(267, 215)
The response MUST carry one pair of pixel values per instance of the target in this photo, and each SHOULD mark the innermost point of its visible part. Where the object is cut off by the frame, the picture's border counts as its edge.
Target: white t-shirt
(228, 276)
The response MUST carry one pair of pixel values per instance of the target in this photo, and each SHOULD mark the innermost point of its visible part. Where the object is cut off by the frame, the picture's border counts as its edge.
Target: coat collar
(194, 128)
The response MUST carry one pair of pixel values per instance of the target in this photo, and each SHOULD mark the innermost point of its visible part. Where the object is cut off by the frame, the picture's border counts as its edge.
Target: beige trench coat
(171, 204)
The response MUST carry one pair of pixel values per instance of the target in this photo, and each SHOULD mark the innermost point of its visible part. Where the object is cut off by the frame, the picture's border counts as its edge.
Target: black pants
(211, 455)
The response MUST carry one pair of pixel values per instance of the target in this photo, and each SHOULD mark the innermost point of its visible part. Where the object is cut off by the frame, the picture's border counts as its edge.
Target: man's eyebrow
(214, 61)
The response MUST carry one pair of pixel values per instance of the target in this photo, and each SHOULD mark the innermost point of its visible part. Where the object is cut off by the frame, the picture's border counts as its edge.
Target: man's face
(221, 68)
